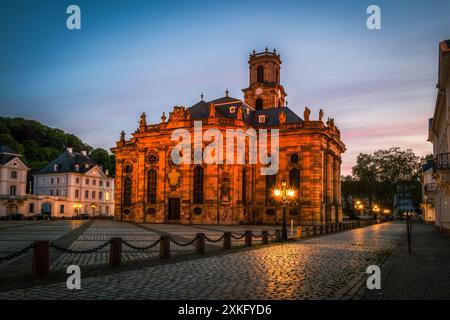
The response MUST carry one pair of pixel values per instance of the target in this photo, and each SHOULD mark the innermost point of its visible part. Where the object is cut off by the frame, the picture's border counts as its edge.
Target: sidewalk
(425, 274)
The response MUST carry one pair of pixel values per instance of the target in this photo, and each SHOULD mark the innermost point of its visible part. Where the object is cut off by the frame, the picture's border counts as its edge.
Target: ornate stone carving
(174, 178)
(306, 114)
(212, 110)
(143, 122)
(321, 114)
(282, 117)
(178, 114)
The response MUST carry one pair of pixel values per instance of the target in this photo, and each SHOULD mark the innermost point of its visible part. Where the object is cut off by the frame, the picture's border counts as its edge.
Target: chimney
(84, 152)
(107, 172)
(69, 149)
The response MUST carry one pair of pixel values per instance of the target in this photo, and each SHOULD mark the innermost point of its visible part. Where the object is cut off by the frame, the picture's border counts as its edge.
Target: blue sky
(134, 56)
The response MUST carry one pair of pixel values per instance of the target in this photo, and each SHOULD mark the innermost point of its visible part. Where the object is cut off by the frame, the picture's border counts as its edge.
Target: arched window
(260, 74)
(244, 186)
(259, 104)
(271, 182)
(198, 184)
(294, 179)
(127, 191)
(151, 190)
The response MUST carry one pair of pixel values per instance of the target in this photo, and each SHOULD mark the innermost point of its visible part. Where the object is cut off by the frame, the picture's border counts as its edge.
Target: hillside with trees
(39, 144)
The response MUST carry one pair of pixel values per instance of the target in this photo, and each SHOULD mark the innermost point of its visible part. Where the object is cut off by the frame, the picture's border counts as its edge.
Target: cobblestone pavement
(15, 235)
(327, 267)
(425, 274)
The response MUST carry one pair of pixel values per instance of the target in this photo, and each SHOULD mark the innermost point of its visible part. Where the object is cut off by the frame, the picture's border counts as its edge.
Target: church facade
(153, 187)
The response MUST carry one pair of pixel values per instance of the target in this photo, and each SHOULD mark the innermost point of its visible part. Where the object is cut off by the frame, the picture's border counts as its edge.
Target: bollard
(41, 259)
(200, 243)
(278, 237)
(115, 252)
(265, 237)
(227, 240)
(164, 247)
(248, 238)
(299, 232)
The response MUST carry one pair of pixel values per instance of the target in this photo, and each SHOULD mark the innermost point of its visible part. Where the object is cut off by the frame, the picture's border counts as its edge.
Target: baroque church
(151, 187)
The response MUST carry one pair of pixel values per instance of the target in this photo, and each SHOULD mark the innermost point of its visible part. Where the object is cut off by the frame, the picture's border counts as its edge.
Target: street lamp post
(285, 196)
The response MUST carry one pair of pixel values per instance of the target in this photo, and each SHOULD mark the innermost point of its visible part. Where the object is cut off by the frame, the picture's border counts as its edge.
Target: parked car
(14, 216)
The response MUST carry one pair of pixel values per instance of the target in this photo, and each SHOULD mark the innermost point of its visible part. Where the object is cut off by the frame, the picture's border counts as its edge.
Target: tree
(383, 175)
(102, 157)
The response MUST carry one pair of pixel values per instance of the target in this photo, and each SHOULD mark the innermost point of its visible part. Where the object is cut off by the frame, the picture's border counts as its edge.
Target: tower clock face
(258, 91)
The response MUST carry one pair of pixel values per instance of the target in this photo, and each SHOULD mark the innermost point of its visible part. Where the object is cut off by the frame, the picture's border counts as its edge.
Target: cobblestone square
(326, 267)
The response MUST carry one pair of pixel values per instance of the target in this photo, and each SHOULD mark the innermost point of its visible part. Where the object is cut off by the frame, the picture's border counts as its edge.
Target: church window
(198, 184)
(152, 182)
(294, 158)
(232, 109)
(127, 191)
(259, 104)
(294, 179)
(260, 74)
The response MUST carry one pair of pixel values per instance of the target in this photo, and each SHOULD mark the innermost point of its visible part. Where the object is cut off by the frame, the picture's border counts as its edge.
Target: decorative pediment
(179, 114)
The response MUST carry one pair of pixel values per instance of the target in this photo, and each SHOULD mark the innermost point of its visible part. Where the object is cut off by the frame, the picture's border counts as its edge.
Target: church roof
(66, 162)
(200, 110)
(272, 116)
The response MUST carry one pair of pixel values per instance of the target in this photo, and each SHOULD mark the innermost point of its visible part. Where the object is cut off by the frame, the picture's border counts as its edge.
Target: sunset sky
(135, 56)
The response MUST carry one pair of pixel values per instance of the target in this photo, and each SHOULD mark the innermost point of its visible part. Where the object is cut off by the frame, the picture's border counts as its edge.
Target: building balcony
(10, 197)
(431, 188)
(442, 161)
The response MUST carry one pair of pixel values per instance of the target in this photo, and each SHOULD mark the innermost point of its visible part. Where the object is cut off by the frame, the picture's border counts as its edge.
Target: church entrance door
(174, 210)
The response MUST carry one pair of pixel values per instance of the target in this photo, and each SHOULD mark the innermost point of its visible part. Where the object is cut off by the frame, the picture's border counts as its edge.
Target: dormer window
(86, 166)
(232, 109)
(77, 167)
(261, 118)
(55, 168)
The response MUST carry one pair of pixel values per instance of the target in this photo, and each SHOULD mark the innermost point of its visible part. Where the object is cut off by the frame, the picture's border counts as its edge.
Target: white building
(13, 182)
(440, 137)
(429, 190)
(79, 185)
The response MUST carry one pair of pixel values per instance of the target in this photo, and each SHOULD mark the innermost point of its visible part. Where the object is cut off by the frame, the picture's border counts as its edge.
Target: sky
(135, 56)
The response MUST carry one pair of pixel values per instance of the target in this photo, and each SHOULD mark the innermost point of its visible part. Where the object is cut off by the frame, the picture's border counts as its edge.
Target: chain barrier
(70, 251)
(17, 254)
(183, 244)
(141, 248)
(272, 235)
(217, 240)
(257, 236)
(238, 238)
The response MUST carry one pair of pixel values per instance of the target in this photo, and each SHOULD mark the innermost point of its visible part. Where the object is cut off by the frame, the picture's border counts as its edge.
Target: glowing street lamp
(359, 206)
(285, 196)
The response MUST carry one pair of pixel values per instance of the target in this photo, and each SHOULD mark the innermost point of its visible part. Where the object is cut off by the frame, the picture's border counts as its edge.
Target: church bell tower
(264, 91)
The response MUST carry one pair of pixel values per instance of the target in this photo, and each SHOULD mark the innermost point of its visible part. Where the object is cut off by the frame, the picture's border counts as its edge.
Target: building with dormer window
(79, 185)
